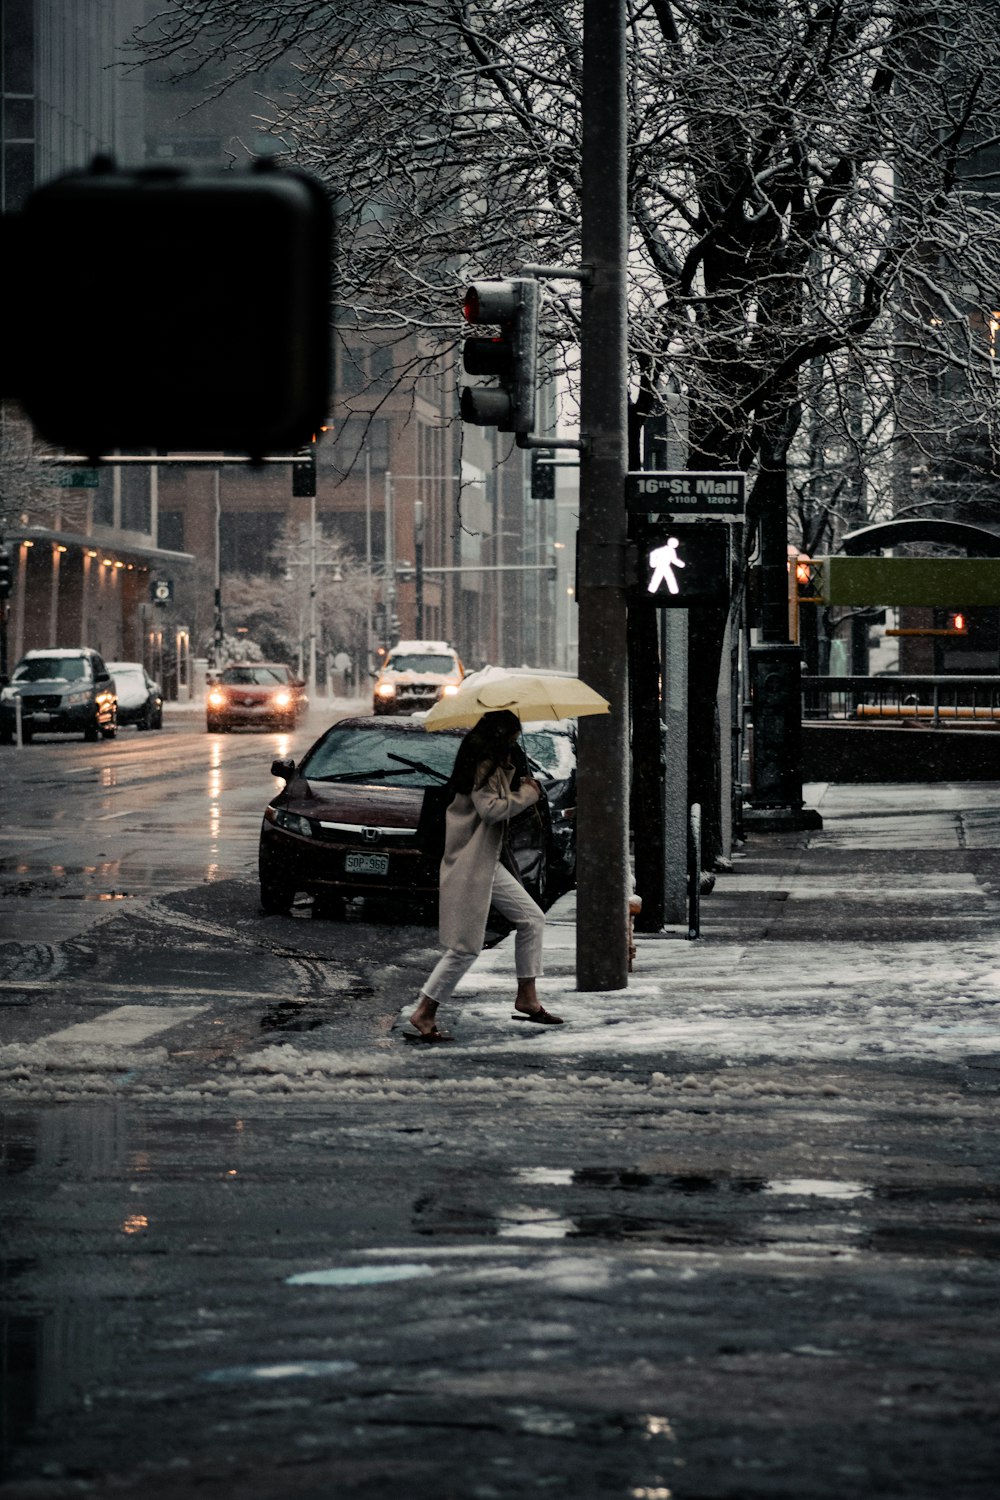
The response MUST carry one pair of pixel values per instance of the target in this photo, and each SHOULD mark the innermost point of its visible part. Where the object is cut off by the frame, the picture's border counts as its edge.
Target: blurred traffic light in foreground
(169, 309)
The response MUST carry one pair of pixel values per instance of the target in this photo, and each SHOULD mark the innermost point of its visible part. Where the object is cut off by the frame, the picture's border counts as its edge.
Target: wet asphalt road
(428, 1273)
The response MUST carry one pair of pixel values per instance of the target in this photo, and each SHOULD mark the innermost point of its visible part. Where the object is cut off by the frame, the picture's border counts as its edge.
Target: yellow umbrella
(531, 697)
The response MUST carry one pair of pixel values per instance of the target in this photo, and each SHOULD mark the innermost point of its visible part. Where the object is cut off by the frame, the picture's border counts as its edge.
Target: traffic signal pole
(603, 875)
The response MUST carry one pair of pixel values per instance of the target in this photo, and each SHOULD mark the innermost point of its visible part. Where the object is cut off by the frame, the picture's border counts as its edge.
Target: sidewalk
(877, 937)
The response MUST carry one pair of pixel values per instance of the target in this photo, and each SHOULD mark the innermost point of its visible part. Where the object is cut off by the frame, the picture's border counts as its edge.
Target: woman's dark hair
(489, 743)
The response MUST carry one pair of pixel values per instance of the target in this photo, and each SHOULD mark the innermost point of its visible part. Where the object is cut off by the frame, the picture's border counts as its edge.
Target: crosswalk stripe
(126, 1025)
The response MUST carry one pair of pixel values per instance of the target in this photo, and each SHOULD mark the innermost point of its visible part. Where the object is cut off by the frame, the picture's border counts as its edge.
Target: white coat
(473, 835)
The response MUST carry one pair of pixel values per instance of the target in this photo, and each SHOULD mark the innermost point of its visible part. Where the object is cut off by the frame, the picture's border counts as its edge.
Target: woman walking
(473, 877)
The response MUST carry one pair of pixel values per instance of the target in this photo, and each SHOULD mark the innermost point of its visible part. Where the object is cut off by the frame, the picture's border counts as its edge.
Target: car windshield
(378, 755)
(255, 676)
(51, 669)
(553, 752)
(420, 663)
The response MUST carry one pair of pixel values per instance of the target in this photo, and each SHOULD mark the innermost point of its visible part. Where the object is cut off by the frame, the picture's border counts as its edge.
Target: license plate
(41, 718)
(366, 864)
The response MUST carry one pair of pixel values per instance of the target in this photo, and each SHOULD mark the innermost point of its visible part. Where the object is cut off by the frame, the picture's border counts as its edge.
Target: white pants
(513, 902)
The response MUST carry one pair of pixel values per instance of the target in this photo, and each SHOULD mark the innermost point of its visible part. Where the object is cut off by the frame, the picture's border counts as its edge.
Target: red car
(257, 694)
(362, 814)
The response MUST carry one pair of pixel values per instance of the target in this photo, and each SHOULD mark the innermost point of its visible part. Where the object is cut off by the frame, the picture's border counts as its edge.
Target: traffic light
(201, 298)
(543, 473)
(510, 355)
(6, 580)
(304, 472)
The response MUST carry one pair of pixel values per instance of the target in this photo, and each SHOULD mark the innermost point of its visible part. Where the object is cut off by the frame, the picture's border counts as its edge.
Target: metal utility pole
(312, 598)
(418, 562)
(603, 875)
(217, 624)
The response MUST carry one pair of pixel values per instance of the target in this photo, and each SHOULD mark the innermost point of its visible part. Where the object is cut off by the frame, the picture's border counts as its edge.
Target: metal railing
(938, 702)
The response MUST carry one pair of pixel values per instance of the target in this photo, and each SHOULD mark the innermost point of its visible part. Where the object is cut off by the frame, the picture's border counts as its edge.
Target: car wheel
(6, 737)
(27, 735)
(213, 726)
(157, 720)
(92, 732)
(110, 730)
(275, 896)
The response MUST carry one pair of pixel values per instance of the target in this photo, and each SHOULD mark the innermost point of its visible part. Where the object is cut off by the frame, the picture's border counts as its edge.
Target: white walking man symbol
(663, 561)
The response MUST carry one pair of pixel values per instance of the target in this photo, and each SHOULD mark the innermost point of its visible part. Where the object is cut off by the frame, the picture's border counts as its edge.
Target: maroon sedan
(255, 694)
(363, 815)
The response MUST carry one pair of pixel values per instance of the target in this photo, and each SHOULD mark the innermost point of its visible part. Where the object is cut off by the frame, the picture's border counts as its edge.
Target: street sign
(677, 491)
(74, 479)
(682, 566)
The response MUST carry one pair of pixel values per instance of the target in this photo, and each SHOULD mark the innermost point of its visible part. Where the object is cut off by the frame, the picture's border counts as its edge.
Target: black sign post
(681, 536)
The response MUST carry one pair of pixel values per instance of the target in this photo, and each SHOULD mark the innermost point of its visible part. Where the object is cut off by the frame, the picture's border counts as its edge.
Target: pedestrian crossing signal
(683, 565)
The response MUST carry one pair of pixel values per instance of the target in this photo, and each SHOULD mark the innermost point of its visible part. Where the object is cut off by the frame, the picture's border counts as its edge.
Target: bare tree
(812, 191)
(30, 493)
(274, 612)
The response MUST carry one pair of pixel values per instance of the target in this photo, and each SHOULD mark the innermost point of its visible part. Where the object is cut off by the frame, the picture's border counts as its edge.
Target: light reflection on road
(90, 824)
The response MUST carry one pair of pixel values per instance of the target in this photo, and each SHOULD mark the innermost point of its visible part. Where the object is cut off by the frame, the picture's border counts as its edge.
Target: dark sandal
(540, 1017)
(434, 1035)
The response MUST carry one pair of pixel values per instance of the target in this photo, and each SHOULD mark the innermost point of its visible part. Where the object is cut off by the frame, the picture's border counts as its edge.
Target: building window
(351, 441)
(104, 498)
(135, 504)
(248, 540)
(18, 46)
(170, 530)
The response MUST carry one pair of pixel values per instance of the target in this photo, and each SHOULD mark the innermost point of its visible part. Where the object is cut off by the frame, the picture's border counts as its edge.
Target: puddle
(525, 1222)
(360, 1275)
(290, 1015)
(98, 896)
(816, 1187)
(543, 1176)
(683, 1182)
(935, 1240)
(307, 1369)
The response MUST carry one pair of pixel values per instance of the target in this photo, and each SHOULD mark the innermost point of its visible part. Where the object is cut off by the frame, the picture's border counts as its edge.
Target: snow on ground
(809, 997)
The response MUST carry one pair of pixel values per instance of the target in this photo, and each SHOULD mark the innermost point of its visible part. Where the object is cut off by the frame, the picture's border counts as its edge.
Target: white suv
(415, 675)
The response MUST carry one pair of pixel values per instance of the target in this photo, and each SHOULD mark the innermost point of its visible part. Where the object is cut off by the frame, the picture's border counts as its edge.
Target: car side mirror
(284, 769)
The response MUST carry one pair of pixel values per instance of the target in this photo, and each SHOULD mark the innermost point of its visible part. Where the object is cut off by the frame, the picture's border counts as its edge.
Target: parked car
(62, 691)
(259, 693)
(363, 815)
(140, 699)
(551, 745)
(414, 675)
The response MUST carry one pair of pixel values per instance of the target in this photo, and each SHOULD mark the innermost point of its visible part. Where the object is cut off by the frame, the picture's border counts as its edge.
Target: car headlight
(449, 690)
(74, 700)
(8, 694)
(216, 699)
(282, 700)
(386, 690)
(292, 821)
